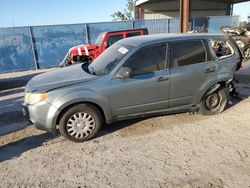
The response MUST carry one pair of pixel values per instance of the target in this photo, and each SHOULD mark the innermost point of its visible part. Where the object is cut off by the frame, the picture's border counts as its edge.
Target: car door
(191, 67)
(148, 88)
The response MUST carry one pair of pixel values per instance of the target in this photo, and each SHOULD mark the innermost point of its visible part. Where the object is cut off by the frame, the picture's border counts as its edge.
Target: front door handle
(161, 79)
(209, 70)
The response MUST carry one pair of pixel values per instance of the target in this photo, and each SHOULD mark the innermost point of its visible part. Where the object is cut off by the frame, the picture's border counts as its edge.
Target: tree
(127, 14)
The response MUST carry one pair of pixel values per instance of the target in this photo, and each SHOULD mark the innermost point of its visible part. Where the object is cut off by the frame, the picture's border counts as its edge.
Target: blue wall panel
(53, 42)
(15, 50)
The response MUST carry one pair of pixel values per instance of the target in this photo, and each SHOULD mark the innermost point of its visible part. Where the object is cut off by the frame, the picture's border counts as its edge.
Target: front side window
(221, 48)
(113, 39)
(148, 59)
(185, 53)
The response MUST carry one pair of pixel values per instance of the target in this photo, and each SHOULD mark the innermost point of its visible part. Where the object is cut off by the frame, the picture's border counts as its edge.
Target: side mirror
(124, 72)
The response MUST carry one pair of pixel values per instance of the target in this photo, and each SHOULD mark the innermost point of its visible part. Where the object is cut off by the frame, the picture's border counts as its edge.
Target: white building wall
(160, 15)
(207, 5)
(170, 9)
(206, 13)
(167, 5)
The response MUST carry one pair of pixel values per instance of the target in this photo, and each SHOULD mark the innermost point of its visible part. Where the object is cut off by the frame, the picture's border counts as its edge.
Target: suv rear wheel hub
(212, 101)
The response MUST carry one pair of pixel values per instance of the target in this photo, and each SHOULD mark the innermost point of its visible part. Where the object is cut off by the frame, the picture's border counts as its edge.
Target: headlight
(33, 98)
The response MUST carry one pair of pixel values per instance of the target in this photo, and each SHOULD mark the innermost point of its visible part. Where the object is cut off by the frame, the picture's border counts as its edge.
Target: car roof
(155, 38)
(125, 30)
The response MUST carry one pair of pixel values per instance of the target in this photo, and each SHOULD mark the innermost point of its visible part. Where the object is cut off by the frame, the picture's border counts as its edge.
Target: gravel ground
(181, 150)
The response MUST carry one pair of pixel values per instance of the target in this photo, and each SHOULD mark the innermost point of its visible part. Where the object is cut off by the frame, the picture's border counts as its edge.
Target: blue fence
(26, 48)
(15, 50)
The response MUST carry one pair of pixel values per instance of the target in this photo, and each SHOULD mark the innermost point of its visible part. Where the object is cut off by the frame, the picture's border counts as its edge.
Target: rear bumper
(42, 115)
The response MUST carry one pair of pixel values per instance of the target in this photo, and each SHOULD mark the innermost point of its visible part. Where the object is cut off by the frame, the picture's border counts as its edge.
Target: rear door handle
(209, 70)
(161, 79)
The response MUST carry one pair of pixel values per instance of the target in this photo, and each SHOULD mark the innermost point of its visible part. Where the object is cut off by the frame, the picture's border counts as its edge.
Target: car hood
(84, 48)
(91, 46)
(59, 78)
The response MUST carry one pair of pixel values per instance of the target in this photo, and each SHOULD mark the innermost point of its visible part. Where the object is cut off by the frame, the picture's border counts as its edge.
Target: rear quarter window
(221, 48)
(133, 34)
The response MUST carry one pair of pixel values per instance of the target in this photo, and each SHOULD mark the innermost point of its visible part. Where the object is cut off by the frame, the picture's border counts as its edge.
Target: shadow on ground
(4, 93)
(233, 101)
(15, 149)
(108, 129)
(15, 82)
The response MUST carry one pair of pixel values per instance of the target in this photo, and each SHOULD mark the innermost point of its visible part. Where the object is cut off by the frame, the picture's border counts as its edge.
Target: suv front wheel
(80, 123)
(213, 103)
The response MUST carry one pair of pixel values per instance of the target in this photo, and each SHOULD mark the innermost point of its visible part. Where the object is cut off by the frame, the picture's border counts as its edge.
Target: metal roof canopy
(139, 2)
(185, 9)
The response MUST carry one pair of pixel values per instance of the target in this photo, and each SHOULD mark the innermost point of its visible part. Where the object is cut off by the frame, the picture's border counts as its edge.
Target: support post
(87, 33)
(229, 8)
(138, 13)
(33, 48)
(168, 25)
(184, 15)
(133, 24)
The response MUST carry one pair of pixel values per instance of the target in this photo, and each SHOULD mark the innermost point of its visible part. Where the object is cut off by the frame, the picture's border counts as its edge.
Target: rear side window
(113, 38)
(133, 34)
(148, 59)
(187, 53)
(221, 48)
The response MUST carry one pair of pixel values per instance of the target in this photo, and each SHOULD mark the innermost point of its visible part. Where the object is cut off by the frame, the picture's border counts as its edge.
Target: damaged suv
(135, 77)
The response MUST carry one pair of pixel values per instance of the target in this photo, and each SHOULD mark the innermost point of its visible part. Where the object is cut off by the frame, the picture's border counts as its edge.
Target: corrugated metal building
(160, 9)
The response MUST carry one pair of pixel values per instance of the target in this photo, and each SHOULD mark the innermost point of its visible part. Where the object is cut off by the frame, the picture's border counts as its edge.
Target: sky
(49, 12)
(242, 9)
(52, 12)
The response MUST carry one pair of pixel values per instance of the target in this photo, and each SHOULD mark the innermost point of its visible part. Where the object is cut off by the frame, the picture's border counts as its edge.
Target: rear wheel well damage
(74, 104)
(226, 84)
(222, 84)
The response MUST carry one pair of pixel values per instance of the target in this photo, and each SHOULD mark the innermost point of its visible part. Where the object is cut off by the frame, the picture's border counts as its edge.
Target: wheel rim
(80, 125)
(212, 101)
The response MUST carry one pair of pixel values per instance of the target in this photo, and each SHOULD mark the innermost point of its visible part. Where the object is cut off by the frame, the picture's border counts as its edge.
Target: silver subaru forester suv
(135, 77)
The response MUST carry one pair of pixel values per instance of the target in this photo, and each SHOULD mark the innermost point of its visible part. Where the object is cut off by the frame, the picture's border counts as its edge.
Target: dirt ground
(180, 150)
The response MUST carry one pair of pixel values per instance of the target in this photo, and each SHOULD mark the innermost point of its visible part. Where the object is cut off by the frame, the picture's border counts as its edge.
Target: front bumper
(43, 115)
(25, 112)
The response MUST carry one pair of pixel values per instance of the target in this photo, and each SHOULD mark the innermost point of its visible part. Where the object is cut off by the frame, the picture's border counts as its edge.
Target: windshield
(105, 63)
(99, 39)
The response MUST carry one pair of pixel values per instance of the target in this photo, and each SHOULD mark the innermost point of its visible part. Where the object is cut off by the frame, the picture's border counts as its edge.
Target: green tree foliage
(127, 14)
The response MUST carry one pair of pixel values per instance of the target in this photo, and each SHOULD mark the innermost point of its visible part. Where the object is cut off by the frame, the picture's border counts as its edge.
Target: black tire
(80, 123)
(214, 103)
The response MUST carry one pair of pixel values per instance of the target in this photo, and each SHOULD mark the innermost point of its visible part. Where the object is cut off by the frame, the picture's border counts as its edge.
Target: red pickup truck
(88, 52)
